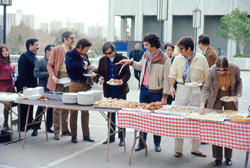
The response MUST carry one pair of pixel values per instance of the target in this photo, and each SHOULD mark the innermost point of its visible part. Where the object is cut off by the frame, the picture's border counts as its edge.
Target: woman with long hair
(6, 78)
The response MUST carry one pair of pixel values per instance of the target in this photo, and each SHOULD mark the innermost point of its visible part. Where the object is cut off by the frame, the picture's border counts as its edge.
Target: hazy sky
(89, 12)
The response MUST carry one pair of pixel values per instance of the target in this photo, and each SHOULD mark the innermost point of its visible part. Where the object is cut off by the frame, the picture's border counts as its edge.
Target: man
(187, 67)
(221, 52)
(42, 74)
(136, 55)
(57, 69)
(77, 64)
(26, 65)
(108, 70)
(154, 66)
(207, 49)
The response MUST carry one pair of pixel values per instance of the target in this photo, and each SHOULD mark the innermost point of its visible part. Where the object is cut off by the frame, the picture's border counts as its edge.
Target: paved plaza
(39, 153)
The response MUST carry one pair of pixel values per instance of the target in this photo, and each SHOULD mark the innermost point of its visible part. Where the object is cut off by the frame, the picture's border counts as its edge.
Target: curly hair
(153, 39)
(4, 59)
(186, 42)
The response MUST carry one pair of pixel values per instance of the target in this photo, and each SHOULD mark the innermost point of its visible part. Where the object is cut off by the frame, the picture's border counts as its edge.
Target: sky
(89, 12)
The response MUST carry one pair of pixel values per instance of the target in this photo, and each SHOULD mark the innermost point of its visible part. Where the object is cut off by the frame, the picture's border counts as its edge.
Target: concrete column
(123, 27)
(139, 21)
(111, 21)
(201, 30)
(231, 45)
(168, 25)
(133, 29)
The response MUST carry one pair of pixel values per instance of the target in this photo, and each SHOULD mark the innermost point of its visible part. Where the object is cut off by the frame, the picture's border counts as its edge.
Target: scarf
(186, 70)
(151, 59)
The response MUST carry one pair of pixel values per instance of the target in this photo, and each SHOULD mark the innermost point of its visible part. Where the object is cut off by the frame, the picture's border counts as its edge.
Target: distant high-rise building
(79, 27)
(69, 24)
(19, 17)
(44, 27)
(31, 21)
(97, 31)
(55, 25)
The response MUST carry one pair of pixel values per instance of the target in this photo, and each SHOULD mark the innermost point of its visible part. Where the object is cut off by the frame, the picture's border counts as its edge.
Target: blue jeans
(146, 97)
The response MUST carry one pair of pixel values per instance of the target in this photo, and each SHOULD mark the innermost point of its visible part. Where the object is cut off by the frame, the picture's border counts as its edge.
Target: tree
(236, 26)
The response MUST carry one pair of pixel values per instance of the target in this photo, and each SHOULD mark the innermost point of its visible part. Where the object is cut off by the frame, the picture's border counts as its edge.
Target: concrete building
(31, 21)
(143, 15)
(55, 25)
(45, 27)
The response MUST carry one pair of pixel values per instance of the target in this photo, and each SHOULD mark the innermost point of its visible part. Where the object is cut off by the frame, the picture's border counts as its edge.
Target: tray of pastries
(128, 105)
(114, 82)
(176, 110)
(229, 98)
(206, 117)
(232, 113)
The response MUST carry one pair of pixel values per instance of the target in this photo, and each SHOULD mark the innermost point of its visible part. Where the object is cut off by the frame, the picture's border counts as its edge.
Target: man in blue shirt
(221, 52)
(77, 63)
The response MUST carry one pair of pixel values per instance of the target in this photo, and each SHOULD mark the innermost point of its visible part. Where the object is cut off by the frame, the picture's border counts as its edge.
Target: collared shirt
(225, 82)
(112, 89)
(198, 68)
(63, 66)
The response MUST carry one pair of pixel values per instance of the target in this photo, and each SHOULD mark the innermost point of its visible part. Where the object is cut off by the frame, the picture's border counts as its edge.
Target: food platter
(90, 75)
(136, 110)
(230, 98)
(206, 117)
(193, 84)
(114, 82)
(106, 107)
(176, 110)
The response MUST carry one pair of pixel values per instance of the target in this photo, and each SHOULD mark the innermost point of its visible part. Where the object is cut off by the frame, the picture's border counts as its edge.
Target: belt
(146, 86)
(78, 81)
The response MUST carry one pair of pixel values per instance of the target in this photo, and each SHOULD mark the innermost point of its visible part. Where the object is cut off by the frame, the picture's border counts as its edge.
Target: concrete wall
(151, 25)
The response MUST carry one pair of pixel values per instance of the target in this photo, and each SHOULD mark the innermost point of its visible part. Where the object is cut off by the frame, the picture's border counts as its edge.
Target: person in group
(187, 67)
(154, 66)
(77, 63)
(57, 69)
(108, 70)
(136, 55)
(169, 50)
(221, 52)
(26, 79)
(42, 74)
(6, 80)
(207, 49)
(223, 79)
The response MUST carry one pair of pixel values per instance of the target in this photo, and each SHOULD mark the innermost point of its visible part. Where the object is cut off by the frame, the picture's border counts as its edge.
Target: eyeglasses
(72, 38)
(222, 70)
(109, 53)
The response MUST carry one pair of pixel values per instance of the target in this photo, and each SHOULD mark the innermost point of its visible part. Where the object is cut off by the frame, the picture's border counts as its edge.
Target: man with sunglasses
(107, 70)
(57, 69)
(187, 67)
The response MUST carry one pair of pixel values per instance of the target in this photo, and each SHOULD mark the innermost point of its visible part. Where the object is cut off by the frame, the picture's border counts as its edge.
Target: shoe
(57, 137)
(121, 143)
(139, 147)
(177, 154)
(217, 162)
(88, 138)
(34, 133)
(110, 141)
(198, 154)
(74, 139)
(66, 133)
(50, 130)
(23, 129)
(157, 148)
(228, 162)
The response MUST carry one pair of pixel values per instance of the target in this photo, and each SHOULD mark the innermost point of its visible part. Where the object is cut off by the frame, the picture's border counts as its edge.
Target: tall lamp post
(162, 14)
(196, 24)
(5, 3)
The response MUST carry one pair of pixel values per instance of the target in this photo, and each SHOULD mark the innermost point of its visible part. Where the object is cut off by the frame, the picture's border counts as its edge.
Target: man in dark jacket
(136, 55)
(26, 65)
(42, 74)
(108, 70)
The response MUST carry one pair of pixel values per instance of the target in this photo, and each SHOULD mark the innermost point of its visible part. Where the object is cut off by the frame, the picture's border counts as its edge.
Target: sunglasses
(222, 70)
(109, 53)
(72, 38)
(181, 48)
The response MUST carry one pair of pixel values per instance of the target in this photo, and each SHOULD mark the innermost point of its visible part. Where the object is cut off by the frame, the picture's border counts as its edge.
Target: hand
(101, 80)
(126, 62)
(202, 108)
(121, 82)
(164, 100)
(56, 80)
(172, 91)
(25, 87)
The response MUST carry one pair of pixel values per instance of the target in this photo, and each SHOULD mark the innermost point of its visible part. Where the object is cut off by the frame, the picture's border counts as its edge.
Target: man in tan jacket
(207, 49)
(57, 69)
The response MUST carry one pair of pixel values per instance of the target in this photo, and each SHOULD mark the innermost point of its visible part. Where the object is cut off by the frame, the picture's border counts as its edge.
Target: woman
(223, 79)
(169, 49)
(6, 79)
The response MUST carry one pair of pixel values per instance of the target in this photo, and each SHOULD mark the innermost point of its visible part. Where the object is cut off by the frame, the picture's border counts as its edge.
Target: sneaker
(66, 133)
(57, 137)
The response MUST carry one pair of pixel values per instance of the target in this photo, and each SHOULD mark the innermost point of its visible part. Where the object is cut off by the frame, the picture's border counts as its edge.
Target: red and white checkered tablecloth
(229, 134)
